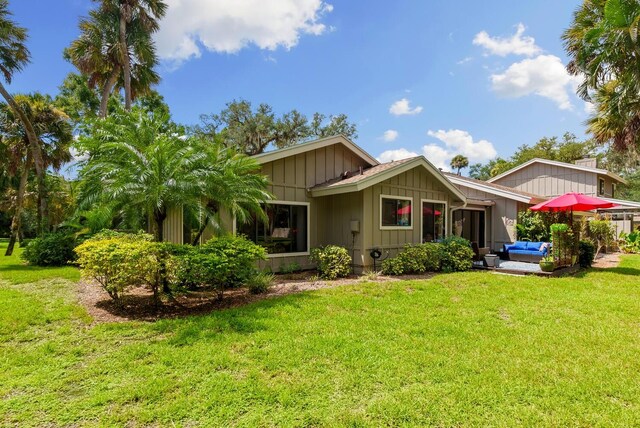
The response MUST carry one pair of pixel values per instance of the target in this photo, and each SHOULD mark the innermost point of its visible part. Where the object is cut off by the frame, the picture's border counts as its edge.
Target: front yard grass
(461, 349)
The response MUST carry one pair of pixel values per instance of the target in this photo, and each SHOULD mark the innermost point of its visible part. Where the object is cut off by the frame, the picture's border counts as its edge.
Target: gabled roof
(313, 145)
(379, 173)
(495, 189)
(562, 165)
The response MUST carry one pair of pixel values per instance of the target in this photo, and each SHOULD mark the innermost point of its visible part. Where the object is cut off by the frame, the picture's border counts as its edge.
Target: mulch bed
(137, 304)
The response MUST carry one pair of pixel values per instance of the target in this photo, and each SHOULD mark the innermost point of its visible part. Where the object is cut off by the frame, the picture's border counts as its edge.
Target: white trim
(298, 254)
(402, 198)
(445, 214)
(314, 145)
(391, 172)
(560, 164)
(494, 191)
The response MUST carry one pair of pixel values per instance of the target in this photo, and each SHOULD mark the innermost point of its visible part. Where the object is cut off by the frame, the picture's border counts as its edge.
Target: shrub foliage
(456, 254)
(333, 261)
(586, 253)
(54, 249)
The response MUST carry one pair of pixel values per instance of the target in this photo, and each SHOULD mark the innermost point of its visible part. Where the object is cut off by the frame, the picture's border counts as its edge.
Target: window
(286, 232)
(613, 190)
(395, 212)
(433, 221)
(601, 186)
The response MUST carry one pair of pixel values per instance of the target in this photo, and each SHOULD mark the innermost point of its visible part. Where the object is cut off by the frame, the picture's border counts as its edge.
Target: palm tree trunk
(35, 152)
(159, 216)
(126, 64)
(16, 221)
(106, 92)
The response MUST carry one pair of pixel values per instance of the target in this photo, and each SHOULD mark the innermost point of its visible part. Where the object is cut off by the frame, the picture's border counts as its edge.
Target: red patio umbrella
(572, 202)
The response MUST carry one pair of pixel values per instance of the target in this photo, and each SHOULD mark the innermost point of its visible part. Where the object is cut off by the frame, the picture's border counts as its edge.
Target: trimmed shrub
(393, 266)
(456, 254)
(586, 253)
(333, 261)
(118, 263)
(420, 258)
(630, 242)
(260, 282)
(54, 249)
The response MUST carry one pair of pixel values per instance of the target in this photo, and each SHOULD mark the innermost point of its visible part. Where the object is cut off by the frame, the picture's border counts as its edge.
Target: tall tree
(99, 54)
(604, 49)
(459, 162)
(14, 56)
(147, 13)
(253, 131)
(138, 160)
(54, 132)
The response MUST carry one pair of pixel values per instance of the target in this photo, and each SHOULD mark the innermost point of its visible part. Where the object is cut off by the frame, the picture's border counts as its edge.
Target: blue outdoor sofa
(523, 251)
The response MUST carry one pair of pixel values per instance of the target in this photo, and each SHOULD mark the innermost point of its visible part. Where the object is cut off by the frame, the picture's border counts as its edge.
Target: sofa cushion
(534, 246)
(527, 252)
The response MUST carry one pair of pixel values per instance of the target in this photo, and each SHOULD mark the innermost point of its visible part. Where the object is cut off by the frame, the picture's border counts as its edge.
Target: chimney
(588, 162)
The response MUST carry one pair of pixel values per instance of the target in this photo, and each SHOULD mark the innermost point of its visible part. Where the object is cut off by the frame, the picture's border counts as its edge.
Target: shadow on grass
(139, 305)
(627, 271)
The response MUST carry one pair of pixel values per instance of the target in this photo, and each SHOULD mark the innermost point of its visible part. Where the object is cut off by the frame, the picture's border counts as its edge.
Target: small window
(601, 186)
(396, 212)
(613, 190)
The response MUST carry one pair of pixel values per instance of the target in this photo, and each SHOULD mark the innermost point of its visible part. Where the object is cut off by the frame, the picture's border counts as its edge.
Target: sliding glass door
(470, 224)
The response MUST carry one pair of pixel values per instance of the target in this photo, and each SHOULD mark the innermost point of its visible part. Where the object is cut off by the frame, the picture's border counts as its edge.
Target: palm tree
(14, 56)
(138, 160)
(459, 162)
(604, 50)
(54, 131)
(98, 54)
(148, 14)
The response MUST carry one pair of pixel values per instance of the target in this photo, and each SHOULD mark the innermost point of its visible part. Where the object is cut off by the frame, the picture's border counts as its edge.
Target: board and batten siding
(551, 180)
(417, 184)
(501, 220)
(292, 176)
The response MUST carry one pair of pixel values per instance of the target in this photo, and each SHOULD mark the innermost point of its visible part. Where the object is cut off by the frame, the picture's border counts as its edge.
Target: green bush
(630, 242)
(333, 261)
(586, 253)
(456, 254)
(54, 249)
(394, 266)
(290, 268)
(120, 262)
(260, 282)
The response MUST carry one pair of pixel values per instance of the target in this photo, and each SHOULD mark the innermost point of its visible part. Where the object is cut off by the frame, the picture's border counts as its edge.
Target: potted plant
(547, 264)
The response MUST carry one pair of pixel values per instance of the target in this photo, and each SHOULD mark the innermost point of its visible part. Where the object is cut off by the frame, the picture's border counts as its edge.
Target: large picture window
(395, 212)
(433, 221)
(286, 232)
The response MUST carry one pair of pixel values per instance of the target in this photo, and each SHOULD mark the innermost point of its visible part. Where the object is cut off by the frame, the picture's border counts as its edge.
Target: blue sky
(478, 78)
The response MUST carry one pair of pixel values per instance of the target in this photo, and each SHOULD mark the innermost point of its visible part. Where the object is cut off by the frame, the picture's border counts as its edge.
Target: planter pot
(547, 266)
(492, 260)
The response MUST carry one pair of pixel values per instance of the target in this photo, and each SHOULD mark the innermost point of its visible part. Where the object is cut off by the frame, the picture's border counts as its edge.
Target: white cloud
(394, 155)
(457, 142)
(227, 26)
(390, 135)
(544, 75)
(589, 108)
(465, 60)
(403, 108)
(517, 44)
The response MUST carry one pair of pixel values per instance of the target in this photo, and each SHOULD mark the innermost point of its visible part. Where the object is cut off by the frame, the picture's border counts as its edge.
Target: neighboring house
(330, 191)
(491, 213)
(552, 178)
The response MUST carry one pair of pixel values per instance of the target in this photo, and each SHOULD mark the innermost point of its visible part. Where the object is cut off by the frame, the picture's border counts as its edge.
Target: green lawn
(464, 349)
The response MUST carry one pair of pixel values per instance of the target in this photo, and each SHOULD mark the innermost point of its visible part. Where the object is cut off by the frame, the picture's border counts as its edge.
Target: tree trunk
(16, 222)
(35, 152)
(159, 216)
(106, 93)
(126, 64)
(201, 230)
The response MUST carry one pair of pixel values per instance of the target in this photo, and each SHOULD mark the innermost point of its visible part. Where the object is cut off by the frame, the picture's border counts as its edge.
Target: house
(330, 191)
(552, 178)
(491, 213)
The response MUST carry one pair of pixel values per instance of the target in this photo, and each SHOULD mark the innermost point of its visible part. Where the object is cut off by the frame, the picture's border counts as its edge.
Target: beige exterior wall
(417, 184)
(501, 218)
(173, 229)
(551, 180)
(608, 186)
